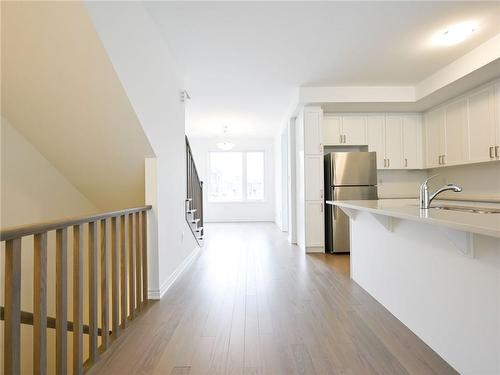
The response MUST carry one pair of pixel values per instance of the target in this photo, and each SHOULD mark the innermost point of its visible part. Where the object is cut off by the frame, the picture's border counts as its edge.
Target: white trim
(165, 286)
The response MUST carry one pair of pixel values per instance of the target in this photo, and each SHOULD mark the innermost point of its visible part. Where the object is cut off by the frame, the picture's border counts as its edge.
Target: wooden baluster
(131, 265)
(40, 304)
(114, 279)
(78, 299)
(138, 258)
(144, 256)
(104, 285)
(123, 269)
(61, 300)
(12, 311)
(93, 351)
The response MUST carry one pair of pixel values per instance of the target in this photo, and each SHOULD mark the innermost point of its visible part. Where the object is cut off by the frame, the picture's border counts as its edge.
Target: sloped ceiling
(59, 89)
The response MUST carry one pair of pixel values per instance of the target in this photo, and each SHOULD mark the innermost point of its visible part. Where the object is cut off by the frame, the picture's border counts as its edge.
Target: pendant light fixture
(225, 145)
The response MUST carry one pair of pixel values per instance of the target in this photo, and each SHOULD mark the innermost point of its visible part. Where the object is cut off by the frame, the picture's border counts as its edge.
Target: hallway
(252, 303)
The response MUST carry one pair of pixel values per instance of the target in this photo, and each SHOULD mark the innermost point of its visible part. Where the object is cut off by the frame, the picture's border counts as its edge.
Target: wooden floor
(252, 303)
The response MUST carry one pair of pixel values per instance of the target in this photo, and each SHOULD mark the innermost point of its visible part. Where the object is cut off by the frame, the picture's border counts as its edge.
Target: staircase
(194, 198)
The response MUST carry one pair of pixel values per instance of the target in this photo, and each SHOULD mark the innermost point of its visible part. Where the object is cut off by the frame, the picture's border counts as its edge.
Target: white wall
(479, 181)
(235, 211)
(450, 301)
(62, 94)
(32, 189)
(153, 84)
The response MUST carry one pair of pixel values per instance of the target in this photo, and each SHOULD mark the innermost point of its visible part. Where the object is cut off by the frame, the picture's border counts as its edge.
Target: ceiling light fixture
(225, 145)
(454, 34)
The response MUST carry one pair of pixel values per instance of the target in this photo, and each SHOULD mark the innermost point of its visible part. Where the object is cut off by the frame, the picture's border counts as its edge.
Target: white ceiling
(242, 61)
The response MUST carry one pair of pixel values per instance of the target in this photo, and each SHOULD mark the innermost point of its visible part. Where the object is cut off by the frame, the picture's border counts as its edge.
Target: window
(255, 176)
(236, 176)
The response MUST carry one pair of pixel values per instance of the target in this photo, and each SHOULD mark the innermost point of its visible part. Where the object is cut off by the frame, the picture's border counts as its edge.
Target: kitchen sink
(476, 210)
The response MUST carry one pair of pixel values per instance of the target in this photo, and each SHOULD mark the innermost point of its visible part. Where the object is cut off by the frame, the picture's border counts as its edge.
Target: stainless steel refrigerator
(348, 176)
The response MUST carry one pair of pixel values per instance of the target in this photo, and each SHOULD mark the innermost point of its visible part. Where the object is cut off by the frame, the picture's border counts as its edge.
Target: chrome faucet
(425, 199)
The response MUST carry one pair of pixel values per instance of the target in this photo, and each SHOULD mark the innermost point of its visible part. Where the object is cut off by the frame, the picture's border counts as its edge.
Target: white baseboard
(159, 293)
(237, 221)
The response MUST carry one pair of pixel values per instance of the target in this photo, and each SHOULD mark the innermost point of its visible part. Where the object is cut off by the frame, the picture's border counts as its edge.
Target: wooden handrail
(116, 236)
(27, 230)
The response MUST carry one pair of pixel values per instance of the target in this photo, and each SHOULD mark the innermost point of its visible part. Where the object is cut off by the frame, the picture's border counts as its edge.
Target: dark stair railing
(194, 196)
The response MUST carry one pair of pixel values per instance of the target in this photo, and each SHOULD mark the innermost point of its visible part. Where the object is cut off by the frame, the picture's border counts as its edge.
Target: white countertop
(485, 224)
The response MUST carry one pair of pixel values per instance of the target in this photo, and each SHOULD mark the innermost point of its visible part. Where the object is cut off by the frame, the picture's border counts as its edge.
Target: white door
(313, 179)
(481, 129)
(375, 128)
(315, 224)
(312, 132)
(332, 126)
(354, 130)
(434, 135)
(394, 142)
(412, 138)
(456, 132)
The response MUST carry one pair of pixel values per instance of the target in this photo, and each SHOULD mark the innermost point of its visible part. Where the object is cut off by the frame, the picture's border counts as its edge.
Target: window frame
(244, 177)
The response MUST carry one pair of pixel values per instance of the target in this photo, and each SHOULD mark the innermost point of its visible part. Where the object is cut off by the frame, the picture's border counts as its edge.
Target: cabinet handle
(385, 162)
(406, 163)
(321, 193)
(439, 159)
(345, 138)
(388, 163)
(492, 155)
(321, 207)
(497, 153)
(340, 136)
(443, 159)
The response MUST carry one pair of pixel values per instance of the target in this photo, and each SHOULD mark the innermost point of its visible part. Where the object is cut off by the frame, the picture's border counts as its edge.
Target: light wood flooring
(252, 303)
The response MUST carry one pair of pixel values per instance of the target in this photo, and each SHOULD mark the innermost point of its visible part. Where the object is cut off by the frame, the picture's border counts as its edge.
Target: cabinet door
(354, 130)
(434, 136)
(481, 130)
(412, 142)
(331, 130)
(456, 132)
(497, 120)
(394, 142)
(375, 128)
(313, 171)
(312, 132)
(315, 224)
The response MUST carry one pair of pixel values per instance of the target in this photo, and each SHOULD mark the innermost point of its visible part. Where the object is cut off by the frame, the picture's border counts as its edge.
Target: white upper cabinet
(434, 136)
(332, 130)
(412, 142)
(456, 148)
(481, 126)
(497, 120)
(354, 130)
(397, 140)
(375, 126)
(394, 142)
(349, 130)
(312, 132)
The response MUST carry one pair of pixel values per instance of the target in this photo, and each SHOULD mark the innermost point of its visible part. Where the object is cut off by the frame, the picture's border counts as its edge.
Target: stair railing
(118, 237)
(194, 198)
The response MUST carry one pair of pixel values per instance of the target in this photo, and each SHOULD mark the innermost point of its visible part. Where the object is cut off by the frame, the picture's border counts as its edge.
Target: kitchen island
(436, 270)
